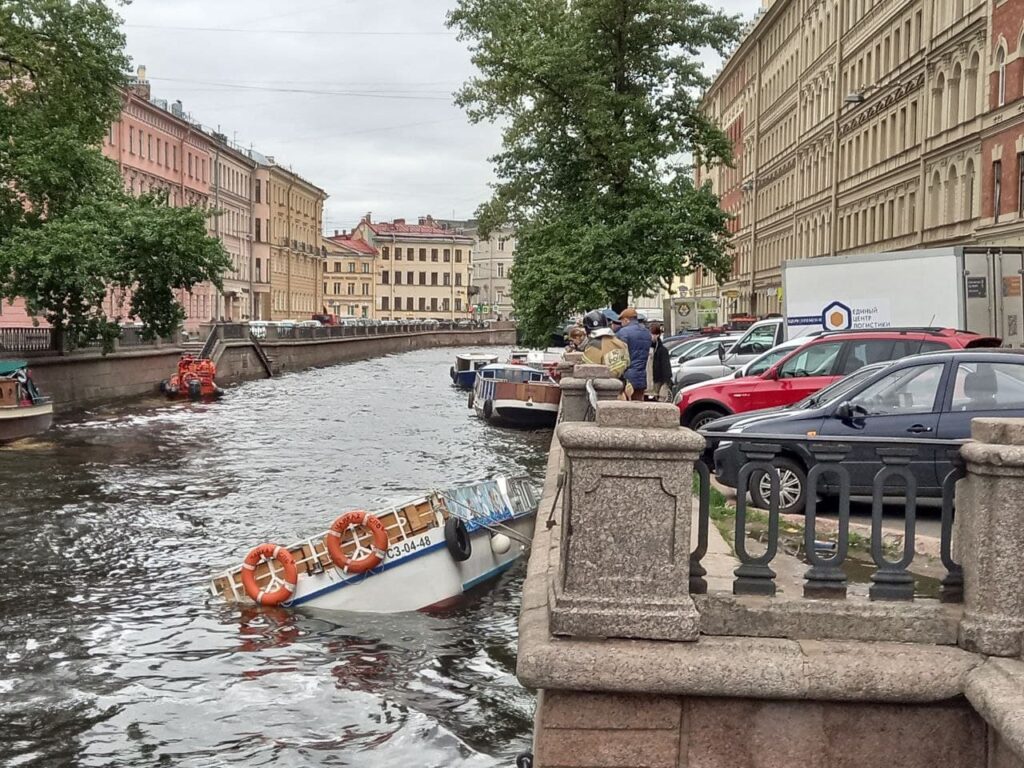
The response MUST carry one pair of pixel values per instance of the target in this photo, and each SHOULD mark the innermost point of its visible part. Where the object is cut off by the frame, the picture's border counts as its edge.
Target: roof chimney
(335, 233)
(139, 85)
(400, 222)
(423, 221)
(368, 218)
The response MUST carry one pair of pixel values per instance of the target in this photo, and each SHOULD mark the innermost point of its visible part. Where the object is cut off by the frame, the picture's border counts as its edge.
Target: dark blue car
(934, 395)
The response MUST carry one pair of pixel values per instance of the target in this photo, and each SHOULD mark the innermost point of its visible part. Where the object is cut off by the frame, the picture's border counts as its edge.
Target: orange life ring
(356, 519)
(269, 552)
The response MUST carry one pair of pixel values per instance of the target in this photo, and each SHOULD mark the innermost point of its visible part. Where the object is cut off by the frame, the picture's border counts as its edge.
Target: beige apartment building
(423, 268)
(231, 196)
(493, 258)
(295, 214)
(350, 271)
(867, 125)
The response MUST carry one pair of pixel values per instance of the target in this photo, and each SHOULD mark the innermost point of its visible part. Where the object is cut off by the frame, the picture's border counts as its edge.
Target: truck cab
(759, 338)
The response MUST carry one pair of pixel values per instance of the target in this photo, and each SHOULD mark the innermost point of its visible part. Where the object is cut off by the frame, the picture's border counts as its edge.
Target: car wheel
(700, 418)
(792, 487)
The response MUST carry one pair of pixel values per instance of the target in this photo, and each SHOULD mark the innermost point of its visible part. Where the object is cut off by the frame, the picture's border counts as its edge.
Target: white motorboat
(421, 554)
(516, 396)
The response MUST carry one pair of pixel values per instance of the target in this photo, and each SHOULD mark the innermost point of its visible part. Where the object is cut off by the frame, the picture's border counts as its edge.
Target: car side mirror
(738, 374)
(721, 353)
(844, 411)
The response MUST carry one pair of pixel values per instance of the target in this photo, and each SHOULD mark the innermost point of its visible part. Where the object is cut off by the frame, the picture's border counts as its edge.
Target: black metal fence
(38, 342)
(880, 468)
(287, 332)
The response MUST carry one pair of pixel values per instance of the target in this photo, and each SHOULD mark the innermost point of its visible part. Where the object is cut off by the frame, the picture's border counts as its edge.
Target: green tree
(599, 104)
(68, 231)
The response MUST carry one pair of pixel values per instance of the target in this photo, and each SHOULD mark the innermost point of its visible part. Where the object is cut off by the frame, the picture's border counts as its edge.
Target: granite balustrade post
(991, 544)
(625, 545)
(575, 403)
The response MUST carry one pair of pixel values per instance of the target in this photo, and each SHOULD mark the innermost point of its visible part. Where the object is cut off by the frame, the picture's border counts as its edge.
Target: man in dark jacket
(638, 340)
(661, 366)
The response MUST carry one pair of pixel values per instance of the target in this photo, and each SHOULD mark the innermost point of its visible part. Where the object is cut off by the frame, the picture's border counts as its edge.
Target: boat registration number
(408, 546)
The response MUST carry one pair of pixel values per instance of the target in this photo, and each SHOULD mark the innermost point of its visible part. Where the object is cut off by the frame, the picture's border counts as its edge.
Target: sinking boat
(424, 553)
(463, 373)
(23, 409)
(194, 379)
(516, 396)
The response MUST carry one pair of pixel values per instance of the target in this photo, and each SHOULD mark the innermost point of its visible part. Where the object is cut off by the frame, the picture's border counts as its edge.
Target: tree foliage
(599, 104)
(68, 231)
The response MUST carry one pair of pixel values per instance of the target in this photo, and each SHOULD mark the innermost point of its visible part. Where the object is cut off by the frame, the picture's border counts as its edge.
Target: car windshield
(767, 360)
(839, 389)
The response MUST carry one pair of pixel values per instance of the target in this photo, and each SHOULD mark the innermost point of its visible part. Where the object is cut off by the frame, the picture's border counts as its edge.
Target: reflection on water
(110, 652)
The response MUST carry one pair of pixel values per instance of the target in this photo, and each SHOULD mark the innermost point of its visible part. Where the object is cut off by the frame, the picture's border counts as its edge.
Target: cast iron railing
(826, 576)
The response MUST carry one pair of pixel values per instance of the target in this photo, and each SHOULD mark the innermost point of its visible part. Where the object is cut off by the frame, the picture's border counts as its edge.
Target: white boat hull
(423, 576)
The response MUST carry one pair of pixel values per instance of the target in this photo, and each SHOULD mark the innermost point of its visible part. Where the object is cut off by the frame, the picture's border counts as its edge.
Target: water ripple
(111, 652)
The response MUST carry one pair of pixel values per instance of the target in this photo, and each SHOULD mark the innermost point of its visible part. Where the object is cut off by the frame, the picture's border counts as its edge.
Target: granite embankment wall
(642, 655)
(238, 360)
(82, 380)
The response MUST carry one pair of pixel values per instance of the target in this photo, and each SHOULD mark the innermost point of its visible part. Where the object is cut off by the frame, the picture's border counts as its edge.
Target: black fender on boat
(488, 408)
(195, 389)
(456, 538)
(165, 386)
(469, 402)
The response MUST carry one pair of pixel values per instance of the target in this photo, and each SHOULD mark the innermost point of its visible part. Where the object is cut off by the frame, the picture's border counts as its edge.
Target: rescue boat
(424, 553)
(515, 396)
(194, 379)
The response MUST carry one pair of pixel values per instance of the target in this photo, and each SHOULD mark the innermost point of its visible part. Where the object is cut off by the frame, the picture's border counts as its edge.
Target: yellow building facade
(423, 269)
(350, 271)
(296, 212)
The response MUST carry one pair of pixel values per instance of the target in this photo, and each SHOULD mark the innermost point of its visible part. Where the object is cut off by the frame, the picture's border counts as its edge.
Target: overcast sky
(354, 95)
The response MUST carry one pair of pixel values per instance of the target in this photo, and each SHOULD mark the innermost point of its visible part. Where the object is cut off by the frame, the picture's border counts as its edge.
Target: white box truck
(972, 288)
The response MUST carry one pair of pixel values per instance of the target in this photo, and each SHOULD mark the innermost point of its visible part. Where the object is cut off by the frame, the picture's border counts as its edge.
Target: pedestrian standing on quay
(638, 340)
(577, 338)
(661, 366)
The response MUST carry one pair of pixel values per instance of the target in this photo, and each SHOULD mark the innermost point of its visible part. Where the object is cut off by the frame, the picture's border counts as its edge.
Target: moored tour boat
(463, 373)
(421, 554)
(516, 396)
(23, 409)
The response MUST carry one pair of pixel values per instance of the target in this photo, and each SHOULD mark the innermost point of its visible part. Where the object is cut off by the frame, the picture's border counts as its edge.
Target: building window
(501, 269)
(258, 233)
(1001, 89)
(149, 147)
(997, 189)
(1020, 184)
(366, 267)
(190, 166)
(384, 302)
(175, 158)
(447, 254)
(131, 139)
(423, 304)
(433, 305)
(398, 302)
(458, 305)
(433, 254)
(447, 278)
(501, 243)
(351, 289)
(458, 278)
(458, 255)
(423, 254)
(433, 278)
(398, 278)
(385, 277)
(385, 253)
(366, 289)
(257, 190)
(337, 267)
(446, 305)
(410, 278)
(423, 278)
(337, 289)
(352, 265)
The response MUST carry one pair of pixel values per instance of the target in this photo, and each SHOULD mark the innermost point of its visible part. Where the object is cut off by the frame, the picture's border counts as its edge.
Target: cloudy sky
(354, 95)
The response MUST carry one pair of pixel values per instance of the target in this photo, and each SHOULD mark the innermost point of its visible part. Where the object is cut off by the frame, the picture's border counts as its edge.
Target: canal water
(111, 652)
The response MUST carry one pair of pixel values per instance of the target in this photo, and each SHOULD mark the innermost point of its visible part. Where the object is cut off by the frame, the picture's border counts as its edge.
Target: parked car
(933, 395)
(812, 366)
(697, 347)
(310, 324)
(258, 328)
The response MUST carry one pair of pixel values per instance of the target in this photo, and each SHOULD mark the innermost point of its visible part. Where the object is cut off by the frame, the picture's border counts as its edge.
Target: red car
(813, 366)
